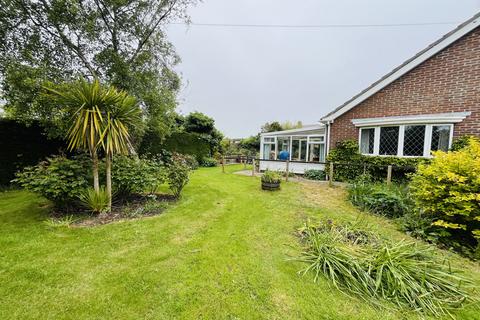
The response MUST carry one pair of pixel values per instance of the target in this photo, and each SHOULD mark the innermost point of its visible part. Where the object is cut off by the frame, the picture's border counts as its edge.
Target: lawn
(223, 252)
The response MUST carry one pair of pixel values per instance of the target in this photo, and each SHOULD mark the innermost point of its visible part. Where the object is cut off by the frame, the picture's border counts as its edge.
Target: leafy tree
(120, 42)
(272, 127)
(197, 122)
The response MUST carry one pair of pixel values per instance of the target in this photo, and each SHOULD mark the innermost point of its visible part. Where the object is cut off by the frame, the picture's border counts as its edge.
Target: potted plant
(271, 180)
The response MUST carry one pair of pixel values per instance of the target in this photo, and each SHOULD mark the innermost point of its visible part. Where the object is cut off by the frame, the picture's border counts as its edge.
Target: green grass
(222, 252)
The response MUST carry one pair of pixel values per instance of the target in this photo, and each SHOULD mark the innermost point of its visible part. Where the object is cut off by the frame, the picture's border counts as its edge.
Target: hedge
(22, 146)
(180, 142)
(349, 164)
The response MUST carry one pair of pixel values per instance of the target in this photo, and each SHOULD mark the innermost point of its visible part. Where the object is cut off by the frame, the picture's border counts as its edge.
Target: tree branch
(152, 29)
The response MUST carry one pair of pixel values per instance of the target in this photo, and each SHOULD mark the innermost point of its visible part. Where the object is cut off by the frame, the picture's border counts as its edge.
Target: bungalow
(417, 108)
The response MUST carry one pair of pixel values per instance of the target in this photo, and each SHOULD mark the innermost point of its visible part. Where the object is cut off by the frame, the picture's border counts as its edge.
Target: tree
(119, 116)
(87, 100)
(120, 42)
(271, 127)
(102, 118)
(199, 123)
(203, 125)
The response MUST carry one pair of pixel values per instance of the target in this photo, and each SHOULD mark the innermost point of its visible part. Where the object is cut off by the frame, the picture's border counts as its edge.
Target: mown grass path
(222, 252)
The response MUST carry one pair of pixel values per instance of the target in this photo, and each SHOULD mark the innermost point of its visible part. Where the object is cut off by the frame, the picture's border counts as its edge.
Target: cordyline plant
(102, 116)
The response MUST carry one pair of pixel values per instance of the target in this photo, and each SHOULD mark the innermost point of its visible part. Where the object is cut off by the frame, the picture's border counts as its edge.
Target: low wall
(294, 166)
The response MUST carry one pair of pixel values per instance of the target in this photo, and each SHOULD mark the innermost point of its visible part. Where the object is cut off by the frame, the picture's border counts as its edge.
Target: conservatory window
(268, 148)
(316, 150)
(299, 149)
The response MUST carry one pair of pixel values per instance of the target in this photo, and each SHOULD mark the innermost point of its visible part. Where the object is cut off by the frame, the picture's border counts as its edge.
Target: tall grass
(404, 273)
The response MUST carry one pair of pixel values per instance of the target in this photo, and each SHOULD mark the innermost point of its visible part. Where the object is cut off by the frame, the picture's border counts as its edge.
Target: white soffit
(438, 118)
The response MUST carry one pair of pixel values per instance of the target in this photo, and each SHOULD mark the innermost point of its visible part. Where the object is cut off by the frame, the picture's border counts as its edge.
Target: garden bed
(135, 207)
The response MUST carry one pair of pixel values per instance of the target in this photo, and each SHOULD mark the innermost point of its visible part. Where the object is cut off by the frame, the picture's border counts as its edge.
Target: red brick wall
(447, 82)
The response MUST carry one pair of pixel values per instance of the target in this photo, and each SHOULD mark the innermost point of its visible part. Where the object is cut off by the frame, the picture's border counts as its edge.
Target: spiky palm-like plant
(102, 117)
(88, 102)
(115, 137)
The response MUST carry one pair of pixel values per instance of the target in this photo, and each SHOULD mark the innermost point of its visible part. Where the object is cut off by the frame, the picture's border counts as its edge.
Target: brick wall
(447, 82)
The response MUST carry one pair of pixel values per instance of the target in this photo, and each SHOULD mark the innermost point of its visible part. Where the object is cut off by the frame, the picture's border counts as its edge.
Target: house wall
(447, 82)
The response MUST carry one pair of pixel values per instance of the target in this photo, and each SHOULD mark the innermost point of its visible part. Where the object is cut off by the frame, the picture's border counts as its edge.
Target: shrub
(462, 142)
(313, 174)
(271, 177)
(349, 164)
(177, 174)
(57, 178)
(208, 162)
(96, 202)
(360, 263)
(391, 201)
(191, 162)
(131, 174)
(449, 190)
(23, 145)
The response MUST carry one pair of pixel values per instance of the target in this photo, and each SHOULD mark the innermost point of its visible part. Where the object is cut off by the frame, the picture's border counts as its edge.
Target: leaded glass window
(367, 139)
(414, 140)
(389, 141)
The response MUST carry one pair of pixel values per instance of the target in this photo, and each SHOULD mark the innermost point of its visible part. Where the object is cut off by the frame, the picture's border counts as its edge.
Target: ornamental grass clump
(360, 263)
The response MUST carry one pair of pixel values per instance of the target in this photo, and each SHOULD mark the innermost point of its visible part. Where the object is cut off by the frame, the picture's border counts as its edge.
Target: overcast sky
(244, 77)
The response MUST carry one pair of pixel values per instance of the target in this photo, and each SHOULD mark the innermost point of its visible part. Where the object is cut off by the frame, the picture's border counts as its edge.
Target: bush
(96, 202)
(448, 189)
(23, 145)
(177, 174)
(349, 164)
(462, 142)
(271, 177)
(131, 174)
(391, 201)
(58, 179)
(191, 162)
(360, 263)
(313, 174)
(208, 162)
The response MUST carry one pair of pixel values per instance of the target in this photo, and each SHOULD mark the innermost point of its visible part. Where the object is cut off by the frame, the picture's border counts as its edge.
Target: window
(299, 149)
(389, 141)
(440, 138)
(416, 140)
(316, 149)
(367, 137)
(268, 148)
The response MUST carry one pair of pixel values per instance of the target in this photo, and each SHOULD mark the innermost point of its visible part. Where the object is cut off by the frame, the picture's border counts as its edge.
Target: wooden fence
(329, 167)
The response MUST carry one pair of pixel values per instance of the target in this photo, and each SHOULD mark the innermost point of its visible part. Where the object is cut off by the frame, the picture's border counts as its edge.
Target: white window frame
(427, 144)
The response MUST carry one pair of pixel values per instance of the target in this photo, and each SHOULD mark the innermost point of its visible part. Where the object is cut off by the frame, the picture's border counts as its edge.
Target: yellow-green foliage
(449, 189)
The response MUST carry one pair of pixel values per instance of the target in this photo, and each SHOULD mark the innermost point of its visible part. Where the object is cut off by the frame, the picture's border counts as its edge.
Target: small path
(294, 179)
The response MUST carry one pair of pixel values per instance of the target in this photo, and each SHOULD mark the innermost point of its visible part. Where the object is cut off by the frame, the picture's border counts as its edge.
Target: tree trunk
(108, 163)
(96, 184)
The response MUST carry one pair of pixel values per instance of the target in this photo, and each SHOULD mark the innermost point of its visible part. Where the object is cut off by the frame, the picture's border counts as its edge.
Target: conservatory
(303, 148)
